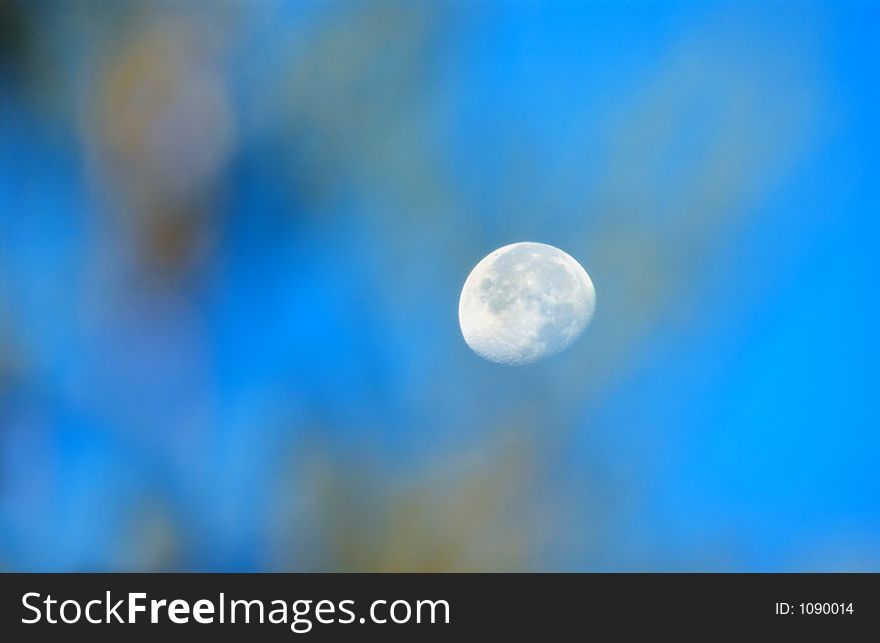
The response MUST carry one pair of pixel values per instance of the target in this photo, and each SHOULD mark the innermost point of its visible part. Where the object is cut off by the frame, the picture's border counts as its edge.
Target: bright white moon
(523, 302)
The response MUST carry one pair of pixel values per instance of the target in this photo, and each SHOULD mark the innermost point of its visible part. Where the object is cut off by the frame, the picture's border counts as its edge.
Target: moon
(523, 302)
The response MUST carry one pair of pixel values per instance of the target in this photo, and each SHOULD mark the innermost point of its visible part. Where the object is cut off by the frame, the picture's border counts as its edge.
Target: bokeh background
(233, 237)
